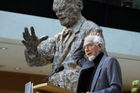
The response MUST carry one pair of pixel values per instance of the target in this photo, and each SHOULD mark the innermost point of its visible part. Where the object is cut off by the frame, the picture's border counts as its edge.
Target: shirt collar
(98, 58)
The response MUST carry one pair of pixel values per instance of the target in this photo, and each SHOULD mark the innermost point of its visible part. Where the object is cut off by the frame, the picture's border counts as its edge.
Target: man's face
(91, 49)
(67, 13)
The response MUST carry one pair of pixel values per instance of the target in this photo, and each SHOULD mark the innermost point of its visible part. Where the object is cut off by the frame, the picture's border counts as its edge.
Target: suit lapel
(97, 73)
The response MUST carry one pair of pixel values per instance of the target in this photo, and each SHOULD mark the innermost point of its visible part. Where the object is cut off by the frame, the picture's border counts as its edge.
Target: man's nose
(86, 49)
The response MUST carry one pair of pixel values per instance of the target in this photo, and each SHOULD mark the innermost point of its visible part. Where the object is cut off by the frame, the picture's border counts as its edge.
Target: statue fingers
(34, 37)
(43, 38)
(24, 42)
(26, 34)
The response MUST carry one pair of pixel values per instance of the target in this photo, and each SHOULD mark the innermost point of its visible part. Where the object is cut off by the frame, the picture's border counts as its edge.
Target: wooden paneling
(10, 91)
(11, 82)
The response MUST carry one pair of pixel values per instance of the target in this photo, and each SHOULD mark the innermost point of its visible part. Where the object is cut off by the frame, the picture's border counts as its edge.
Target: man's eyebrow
(87, 44)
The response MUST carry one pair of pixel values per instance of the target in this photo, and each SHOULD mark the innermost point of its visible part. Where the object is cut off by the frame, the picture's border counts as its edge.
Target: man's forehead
(87, 41)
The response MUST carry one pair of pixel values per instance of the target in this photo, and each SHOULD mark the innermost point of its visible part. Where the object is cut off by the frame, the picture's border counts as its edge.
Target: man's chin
(91, 58)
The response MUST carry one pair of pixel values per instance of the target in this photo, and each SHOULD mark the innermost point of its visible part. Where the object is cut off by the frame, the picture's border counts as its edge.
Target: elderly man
(99, 73)
(58, 49)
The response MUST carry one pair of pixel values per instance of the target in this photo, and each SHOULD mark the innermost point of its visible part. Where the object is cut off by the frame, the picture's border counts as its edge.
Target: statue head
(68, 11)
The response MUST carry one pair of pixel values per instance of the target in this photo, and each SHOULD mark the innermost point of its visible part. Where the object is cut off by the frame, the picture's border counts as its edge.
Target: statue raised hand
(31, 41)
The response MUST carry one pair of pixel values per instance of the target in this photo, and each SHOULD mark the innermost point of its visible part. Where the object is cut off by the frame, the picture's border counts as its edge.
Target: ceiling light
(17, 68)
(3, 48)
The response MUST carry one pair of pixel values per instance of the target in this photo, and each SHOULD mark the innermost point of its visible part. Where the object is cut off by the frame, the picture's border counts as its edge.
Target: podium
(49, 88)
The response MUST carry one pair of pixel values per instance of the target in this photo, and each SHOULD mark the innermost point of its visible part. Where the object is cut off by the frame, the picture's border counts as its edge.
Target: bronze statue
(59, 49)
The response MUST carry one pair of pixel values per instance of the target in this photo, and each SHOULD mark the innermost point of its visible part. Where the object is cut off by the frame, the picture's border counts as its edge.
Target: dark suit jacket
(107, 78)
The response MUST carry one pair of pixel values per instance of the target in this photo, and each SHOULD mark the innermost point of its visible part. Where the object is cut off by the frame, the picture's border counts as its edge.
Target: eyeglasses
(89, 45)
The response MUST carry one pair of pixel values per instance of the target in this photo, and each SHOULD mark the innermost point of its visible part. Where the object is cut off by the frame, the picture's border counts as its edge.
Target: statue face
(67, 12)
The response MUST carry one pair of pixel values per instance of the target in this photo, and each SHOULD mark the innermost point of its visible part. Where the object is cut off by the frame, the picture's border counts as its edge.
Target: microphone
(58, 69)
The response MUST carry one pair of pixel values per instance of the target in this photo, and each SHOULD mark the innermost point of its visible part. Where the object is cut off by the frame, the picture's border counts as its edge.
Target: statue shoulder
(89, 26)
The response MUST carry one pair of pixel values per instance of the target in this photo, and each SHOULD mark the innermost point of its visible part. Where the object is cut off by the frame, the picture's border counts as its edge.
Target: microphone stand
(46, 78)
(56, 71)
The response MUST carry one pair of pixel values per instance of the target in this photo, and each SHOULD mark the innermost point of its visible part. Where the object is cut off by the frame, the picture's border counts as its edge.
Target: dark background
(101, 13)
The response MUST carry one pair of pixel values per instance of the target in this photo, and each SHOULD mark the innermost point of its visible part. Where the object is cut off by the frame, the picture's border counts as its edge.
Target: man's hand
(97, 32)
(31, 41)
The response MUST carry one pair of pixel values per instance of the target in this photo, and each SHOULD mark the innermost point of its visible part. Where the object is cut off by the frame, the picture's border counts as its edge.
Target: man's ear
(100, 46)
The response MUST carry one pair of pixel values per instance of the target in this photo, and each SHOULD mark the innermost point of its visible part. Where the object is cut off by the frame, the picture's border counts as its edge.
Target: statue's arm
(78, 55)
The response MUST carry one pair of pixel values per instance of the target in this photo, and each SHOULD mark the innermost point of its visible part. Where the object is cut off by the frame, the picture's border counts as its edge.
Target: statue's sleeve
(94, 27)
(90, 27)
(44, 54)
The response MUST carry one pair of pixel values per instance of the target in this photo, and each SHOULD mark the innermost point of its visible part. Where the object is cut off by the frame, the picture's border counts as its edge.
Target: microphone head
(59, 69)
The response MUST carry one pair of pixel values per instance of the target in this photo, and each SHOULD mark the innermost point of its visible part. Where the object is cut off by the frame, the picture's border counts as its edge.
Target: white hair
(96, 39)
